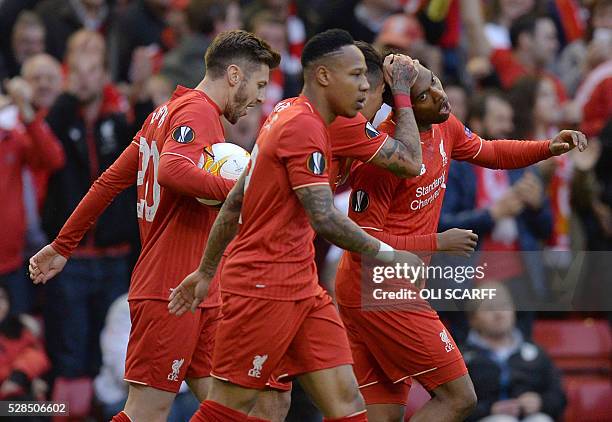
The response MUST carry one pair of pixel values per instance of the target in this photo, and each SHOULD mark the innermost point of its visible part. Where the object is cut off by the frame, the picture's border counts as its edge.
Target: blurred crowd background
(80, 76)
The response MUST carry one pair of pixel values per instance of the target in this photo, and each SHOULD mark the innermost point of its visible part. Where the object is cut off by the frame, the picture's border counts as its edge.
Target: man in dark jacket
(93, 133)
(514, 379)
(507, 209)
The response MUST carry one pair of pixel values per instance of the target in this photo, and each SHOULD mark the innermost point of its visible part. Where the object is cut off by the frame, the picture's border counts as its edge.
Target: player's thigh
(148, 404)
(161, 345)
(252, 339)
(375, 386)
(232, 395)
(386, 412)
(272, 405)
(457, 393)
(320, 341)
(334, 391)
(198, 373)
(410, 344)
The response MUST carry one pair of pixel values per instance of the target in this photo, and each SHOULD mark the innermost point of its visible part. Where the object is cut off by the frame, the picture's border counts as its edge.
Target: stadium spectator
(501, 15)
(23, 359)
(62, 18)
(363, 19)
(27, 39)
(513, 378)
(93, 132)
(183, 65)
(26, 142)
(534, 47)
(508, 209)
(286, 80)
(142, 24)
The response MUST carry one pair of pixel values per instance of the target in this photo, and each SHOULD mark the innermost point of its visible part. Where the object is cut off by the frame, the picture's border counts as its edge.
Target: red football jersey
(352, 139)
(163, 160)
(383, 202)
(272, 256)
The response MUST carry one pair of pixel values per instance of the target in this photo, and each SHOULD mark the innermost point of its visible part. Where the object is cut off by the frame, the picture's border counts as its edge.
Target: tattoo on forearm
(402, 155)
(223, 230)
(333, 225)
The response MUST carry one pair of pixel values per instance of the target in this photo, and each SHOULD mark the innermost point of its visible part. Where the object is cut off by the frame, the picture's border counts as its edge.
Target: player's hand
(400, 72)
(530, 402)
(459, 241)
(567, 140)
(529, 190)
(412, 260)
(46, 264)
(506, 407)
(189, 294)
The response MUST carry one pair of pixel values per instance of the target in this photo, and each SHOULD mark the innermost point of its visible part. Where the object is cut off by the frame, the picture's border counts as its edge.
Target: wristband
(402, 100)
(383, 253)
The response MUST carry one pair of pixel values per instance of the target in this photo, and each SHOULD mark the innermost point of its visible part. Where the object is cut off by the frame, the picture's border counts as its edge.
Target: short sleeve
(466, 144)
(373, 189)
(303, 147)
(192, 129)
(355, 138)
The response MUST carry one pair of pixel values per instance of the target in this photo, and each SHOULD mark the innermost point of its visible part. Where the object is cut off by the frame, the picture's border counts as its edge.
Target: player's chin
(442, 117)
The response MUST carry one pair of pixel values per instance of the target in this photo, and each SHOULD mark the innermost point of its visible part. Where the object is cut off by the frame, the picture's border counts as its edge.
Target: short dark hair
(374, 61)
(231, 46)
(525, 23)
(477, 108)
(202, 14)
(325, 43)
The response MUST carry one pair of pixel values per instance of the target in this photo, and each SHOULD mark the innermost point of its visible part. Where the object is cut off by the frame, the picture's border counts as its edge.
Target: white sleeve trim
(479, 149)
(310, 184)
(371, 228)
(178, 155)
(379, 148)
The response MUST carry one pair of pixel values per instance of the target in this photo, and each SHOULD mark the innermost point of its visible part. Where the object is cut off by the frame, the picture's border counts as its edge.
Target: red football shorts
(261, 342)
(165, 349)
(391, 347)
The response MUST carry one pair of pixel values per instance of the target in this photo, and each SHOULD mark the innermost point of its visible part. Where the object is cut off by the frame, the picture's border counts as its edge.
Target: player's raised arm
(194, 288)
(401, 154)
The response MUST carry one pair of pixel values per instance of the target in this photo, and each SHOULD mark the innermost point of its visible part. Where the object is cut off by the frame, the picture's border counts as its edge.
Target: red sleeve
(32, 360)
(355, 138)
(511, 154)
(191, 131)
(373, 191)
(496, 154)
(119, 176)
(303, 147)
(43, 150)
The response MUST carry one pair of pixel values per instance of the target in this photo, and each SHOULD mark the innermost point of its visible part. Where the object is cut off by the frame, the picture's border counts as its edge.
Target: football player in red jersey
(277, 321)
(163, 162)
(393, 345)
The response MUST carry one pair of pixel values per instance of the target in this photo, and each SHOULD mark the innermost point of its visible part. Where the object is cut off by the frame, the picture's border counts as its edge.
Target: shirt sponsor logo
(371, 131)
(448, 344)
(183, 134)
(316, 163)
(258, 362)
(176, 367)
(360, 201)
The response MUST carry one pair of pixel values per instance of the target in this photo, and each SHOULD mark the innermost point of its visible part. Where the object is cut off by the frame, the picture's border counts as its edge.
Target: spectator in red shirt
(26, 141)
(22, 356)
(534, 46)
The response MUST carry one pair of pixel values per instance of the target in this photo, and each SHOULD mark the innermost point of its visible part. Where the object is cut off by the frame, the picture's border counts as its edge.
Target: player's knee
(462, 401)
(350, 396)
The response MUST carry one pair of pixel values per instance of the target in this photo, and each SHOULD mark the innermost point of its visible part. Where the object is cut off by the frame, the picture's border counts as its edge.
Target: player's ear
(322, 74)
(234, 74)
